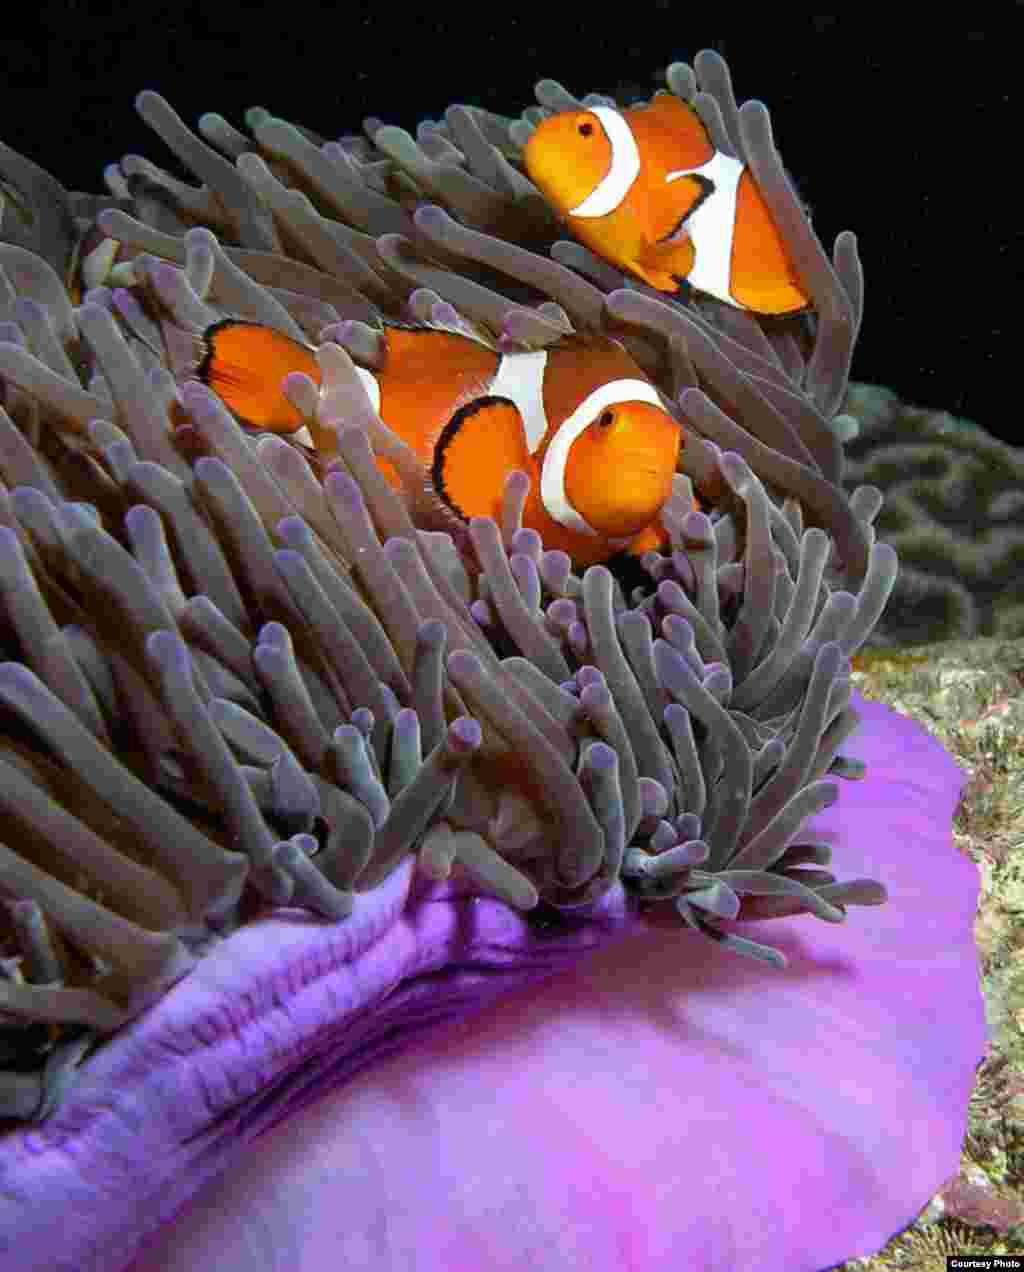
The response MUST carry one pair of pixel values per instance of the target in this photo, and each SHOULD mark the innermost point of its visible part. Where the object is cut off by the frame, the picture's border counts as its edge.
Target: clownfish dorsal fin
(684, 121)
(479, 446)
(422, 344)
(460, 329)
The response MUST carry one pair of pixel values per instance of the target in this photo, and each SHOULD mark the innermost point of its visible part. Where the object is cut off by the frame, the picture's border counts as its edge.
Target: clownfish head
(617, 470)
(568, 156)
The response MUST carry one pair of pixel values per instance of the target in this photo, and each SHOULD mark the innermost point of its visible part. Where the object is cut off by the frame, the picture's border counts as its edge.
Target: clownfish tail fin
(244, 363)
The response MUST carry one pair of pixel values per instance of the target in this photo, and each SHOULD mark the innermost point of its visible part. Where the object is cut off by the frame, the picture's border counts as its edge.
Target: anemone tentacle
(238, 668)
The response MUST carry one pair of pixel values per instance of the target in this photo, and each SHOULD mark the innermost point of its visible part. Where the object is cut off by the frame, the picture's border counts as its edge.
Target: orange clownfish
(98, 261)
(580, 419)
(645, 189)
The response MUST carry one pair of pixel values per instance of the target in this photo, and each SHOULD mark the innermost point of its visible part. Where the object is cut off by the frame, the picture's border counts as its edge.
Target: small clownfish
(99, 261)
(580, 419)
(645, 189)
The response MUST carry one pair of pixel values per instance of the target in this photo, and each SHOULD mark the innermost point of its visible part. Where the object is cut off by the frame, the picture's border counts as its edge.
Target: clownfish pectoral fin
(664, 265)
(244, 364)
(678, 199)
(653, 538)
(479, 446)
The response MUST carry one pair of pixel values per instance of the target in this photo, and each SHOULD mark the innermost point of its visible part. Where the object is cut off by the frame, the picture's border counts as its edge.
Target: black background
(912, 139)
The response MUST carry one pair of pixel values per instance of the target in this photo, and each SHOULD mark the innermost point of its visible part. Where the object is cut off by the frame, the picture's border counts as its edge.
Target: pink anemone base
(320, 1095)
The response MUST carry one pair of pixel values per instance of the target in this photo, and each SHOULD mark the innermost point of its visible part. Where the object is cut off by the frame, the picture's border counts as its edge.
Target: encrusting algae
(240, 671)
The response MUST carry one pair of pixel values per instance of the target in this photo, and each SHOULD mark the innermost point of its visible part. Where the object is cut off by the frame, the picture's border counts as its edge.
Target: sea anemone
(292, 773)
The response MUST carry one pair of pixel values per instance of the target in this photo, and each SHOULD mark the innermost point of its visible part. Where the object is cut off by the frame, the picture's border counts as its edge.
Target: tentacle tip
(602, 758)
(200, 236)
(461, 662)
(147, 98)
(465, 734)
(168, 651)
(430, 217)
(343, 486)
(431, 633)
(399, 550)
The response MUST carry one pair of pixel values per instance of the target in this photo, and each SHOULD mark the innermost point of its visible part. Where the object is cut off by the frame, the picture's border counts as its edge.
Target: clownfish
(645, 189)
(98, 261)
(580, 419)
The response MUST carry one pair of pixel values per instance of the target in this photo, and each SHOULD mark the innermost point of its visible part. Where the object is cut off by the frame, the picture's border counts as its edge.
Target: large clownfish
(579, 418)
(645, 189)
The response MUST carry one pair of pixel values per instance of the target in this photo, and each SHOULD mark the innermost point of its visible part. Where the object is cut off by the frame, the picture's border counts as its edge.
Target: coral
(954, 507)
(968, 695)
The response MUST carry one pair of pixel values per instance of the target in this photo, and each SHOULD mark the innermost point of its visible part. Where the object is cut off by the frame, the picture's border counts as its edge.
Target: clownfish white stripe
(520, 377)
(552, 474)
(625, 166)
(710, 226)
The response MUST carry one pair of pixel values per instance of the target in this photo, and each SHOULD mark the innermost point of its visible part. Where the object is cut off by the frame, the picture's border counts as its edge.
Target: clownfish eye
(585, 129)
(606, 419)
